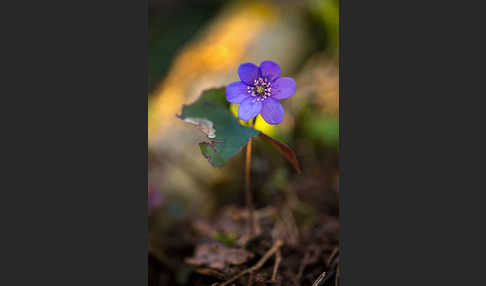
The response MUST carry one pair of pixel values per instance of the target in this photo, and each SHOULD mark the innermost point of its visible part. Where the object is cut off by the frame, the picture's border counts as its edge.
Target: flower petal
(270, 70)
(249, 108)
(236, 92)
(248, 73)
(283, 87)
(272, 111)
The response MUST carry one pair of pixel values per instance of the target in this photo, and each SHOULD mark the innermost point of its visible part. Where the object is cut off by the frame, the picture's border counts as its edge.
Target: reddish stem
(249, 198)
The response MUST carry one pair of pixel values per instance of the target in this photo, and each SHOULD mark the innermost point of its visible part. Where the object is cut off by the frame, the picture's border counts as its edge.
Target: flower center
(261, 89)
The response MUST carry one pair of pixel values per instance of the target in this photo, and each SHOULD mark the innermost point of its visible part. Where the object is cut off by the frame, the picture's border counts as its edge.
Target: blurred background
(196, 45)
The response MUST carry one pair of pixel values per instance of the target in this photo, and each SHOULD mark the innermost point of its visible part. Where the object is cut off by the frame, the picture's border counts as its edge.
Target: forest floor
(296, 242)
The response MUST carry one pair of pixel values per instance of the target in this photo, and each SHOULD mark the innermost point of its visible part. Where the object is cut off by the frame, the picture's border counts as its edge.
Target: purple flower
(260, 91)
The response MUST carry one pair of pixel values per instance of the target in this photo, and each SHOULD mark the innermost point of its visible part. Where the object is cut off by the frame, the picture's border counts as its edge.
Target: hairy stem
(248, 195)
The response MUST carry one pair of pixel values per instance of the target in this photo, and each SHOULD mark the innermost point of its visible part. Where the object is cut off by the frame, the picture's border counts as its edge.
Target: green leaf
(210, 113)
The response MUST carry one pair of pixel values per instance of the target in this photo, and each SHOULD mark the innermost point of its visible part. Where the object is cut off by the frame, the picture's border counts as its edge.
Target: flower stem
(249, 198)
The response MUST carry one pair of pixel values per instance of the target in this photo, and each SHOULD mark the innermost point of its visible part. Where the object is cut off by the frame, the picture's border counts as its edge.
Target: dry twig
(332, 256)
(319, 279)
(276, 246)
(302, 265)
(322, 278)
(310, 256)
(278, 259)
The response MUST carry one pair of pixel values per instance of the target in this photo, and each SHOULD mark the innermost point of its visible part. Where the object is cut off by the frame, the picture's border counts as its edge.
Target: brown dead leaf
(232, 222)
(210, 272)
(216, 255)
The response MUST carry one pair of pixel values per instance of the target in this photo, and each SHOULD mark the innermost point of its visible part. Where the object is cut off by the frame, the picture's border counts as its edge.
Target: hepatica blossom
(260, 90)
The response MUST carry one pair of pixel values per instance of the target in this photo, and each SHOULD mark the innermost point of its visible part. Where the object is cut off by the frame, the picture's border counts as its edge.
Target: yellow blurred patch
(260, 124)
(217, 50)
(264, 127)
(234, 109)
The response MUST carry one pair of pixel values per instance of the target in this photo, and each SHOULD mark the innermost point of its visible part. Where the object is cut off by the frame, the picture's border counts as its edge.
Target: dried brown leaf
(286, 151)
(218, 256)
